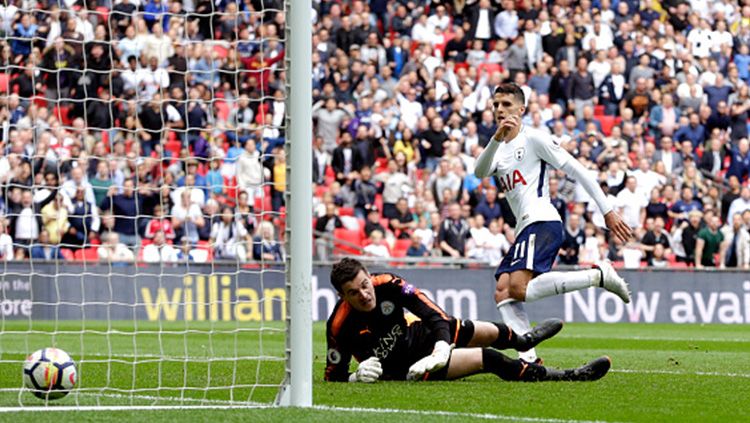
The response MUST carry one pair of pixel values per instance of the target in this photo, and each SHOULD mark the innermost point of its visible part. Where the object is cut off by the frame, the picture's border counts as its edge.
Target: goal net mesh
(142, 218)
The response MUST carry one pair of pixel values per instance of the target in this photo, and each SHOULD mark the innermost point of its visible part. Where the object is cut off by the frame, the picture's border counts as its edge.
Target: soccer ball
(49, 373)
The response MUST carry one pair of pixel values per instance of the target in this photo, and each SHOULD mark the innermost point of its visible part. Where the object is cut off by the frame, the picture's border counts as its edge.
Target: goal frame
(296, 389)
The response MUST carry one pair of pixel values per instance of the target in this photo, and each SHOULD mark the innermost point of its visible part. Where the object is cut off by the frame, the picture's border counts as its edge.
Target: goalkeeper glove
(433, 362)
(368, 371)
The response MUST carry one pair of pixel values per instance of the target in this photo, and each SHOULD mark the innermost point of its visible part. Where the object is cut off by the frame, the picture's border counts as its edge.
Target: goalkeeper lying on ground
(369, 323)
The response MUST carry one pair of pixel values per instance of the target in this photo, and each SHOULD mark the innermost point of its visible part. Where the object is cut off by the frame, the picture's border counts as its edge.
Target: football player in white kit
(519, 156)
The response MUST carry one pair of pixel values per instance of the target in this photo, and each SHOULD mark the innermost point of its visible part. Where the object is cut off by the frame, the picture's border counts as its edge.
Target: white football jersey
(521, 166)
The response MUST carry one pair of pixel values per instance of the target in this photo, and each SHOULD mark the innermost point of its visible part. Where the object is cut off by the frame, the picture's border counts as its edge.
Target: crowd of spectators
(142, 130)
(153, 129)
(651, 96)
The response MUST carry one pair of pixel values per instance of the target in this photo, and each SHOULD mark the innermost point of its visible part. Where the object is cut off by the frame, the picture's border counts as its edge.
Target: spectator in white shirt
(128, 46)
(647, 179)
(632, 204)
(440, 19)
(426, 235)
(506, 22)
(421, 32)
(700, 40)
(411, 109)
(77, 180)
(112, 250)
(188, 217)
(740, 204)
(601, 35)
(152, 78)
(250, 171)
(377, 247)
(230, 237)
(159, 250)
(600, 67)
(130, 76)
(6, 242)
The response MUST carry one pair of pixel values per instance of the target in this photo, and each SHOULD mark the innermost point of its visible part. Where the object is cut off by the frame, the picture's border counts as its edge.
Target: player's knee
(501, 293)
(517, 291)
(501, 289)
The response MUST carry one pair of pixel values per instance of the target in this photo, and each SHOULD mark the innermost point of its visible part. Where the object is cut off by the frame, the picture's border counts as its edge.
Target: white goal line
(249, 406)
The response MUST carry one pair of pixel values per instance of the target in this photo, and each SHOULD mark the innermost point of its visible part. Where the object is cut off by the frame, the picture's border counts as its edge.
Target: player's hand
(506, 126)
(433, 362)
(368, 371)
(618, 226)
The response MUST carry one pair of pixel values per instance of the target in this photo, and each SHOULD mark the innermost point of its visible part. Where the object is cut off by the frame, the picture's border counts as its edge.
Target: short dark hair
(511, 88)
(344, 271)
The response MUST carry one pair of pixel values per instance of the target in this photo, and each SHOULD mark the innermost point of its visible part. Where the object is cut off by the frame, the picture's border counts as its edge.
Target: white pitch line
(652, 338)
(483, 416)
(676, 373)
(426, 413)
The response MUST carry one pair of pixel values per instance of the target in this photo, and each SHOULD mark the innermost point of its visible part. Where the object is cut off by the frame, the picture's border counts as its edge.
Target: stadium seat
(598, 110)
(489, 67)
(379, 202)
(399, 249)
(320, 190)
(222, 110)
(461, 65)
(346, 211)
(61, 114)
(263, 205)
(4, 82)
(607, 122)
(173, 147)
(204, 246)
(87, 254)
(67, 253)
(230, 187)
(351, 240)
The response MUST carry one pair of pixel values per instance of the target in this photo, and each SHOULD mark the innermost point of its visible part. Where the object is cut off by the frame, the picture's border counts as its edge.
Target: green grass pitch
(659, 373)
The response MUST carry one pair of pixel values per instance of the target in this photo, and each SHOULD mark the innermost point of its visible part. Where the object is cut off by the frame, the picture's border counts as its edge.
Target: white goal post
(299, 194)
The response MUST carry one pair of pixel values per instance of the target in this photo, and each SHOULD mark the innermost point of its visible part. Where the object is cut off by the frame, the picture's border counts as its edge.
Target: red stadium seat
(222, 110)
(351, 238)
(87, 254)
(599, 110)
(67, 253)
(489, 67)
(206, 246)
(399, 249)
(346, 211)
(230, 187)
(607, 122)
(4, 82)
(320, 190)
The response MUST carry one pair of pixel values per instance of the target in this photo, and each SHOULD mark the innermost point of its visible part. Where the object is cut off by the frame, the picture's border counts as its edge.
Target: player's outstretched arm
(484, 165)
(614, 223)
(612, 219)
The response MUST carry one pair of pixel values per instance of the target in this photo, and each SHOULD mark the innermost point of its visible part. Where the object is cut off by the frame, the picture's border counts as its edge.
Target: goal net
(142, 213)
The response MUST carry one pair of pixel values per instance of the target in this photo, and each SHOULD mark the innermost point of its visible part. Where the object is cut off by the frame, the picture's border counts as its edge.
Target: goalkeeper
(369, 324)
